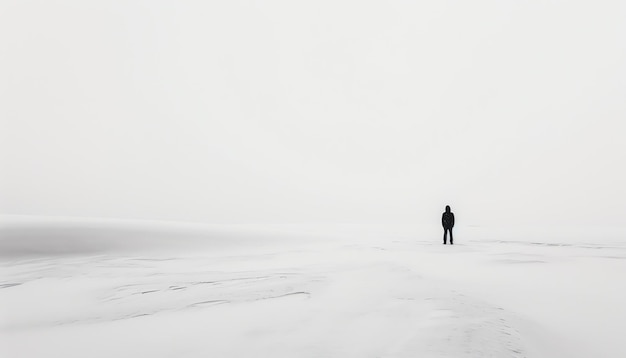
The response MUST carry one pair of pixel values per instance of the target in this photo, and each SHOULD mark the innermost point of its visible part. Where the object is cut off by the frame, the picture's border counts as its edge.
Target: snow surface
(123, 290)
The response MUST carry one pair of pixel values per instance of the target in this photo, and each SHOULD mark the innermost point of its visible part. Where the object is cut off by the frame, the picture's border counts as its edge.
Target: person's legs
(445, 236)
(451, 243)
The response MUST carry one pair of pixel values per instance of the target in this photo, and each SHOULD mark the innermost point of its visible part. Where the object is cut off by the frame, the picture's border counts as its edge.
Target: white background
(326, 111)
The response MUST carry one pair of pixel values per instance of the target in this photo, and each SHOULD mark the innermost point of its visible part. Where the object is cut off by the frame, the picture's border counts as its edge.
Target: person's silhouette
(447, 220)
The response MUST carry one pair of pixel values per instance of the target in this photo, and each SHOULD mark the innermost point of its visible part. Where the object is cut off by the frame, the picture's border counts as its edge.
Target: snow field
(382, 297)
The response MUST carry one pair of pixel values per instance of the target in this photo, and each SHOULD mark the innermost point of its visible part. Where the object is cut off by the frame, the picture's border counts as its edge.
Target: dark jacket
(447, 220)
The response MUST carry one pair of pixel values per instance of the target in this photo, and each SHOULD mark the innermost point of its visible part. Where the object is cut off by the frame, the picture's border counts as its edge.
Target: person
(447, 220)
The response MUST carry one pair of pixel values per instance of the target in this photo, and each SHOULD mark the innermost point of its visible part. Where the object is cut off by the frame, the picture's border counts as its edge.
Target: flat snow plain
(91, 289)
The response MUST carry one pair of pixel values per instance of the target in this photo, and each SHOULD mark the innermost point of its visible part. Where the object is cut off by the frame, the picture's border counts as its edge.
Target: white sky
(302, 111)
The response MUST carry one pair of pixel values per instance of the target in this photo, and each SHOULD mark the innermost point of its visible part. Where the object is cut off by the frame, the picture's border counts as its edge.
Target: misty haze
(312, 179)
